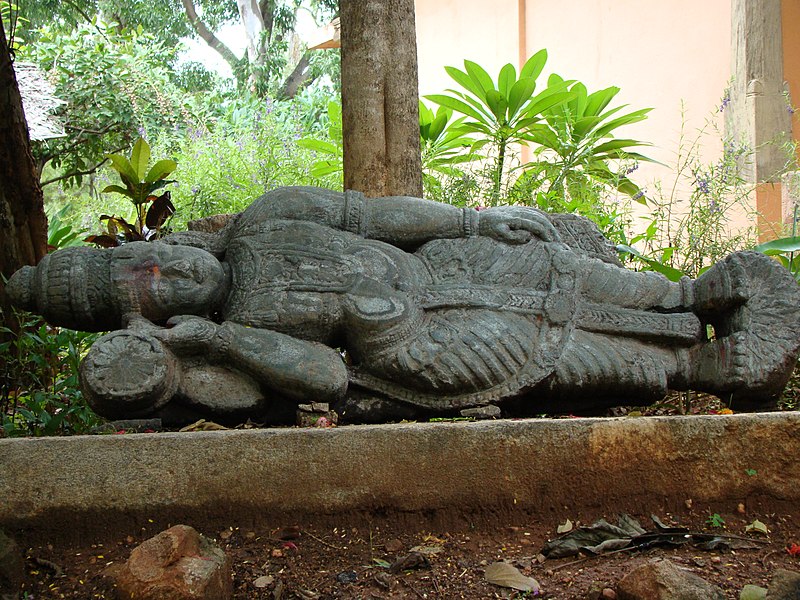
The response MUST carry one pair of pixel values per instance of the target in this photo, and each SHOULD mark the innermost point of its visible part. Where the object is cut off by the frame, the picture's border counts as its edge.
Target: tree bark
(380, 110)
(23, 224)
(208, 36)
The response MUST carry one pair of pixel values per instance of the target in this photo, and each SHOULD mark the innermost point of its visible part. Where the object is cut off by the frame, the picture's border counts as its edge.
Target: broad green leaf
(520, 92)
(318, 145)
(438, 125)
(534, 65)
(323, 168)
(160, 170)
(123, 166)
(633, 117)
(465, 81)
(498, 104)
(584, 125)
(506, 79)
(456, 105)
(578, 103)
(118, 189)
(479, 75)
(669, 272)
(786, 244)
(598, 100)
(140, 156)
(617, 144)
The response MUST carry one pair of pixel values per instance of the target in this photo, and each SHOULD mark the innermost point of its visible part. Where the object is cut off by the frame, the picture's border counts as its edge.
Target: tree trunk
(380, 110)
(253, 21)
(23, 224)
(208, 36)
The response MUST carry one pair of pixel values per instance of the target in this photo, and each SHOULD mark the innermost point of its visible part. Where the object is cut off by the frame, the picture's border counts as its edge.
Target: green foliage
(715, 521)
(12, 21)
(574, 144)
(117, 87)
(501, 114)
(61, 234)
(690, 225)
(39, 394)
(785, 250)
(140, 183)
(443, 143)
(332, 149)
(252, 148)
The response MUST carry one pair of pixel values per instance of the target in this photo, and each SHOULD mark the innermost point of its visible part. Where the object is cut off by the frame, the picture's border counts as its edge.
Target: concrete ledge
(537, 465)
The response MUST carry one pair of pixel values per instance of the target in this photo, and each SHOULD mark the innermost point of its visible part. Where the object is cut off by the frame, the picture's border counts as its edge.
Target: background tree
(23, 225)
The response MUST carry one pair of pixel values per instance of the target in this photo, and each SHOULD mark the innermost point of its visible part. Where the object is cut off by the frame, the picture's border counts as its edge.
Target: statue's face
(164, 281)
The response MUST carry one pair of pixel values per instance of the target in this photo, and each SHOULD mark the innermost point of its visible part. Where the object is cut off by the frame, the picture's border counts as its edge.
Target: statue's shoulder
(584, 237)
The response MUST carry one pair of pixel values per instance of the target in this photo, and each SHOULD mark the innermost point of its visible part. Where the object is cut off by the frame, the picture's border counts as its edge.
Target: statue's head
(91, 289)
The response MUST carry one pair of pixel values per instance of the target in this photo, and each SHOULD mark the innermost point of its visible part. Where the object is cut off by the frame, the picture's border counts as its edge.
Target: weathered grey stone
(784, 585)
(179, 564)
(12, 568)
(753, 592)
(663, 580)
(438, 309)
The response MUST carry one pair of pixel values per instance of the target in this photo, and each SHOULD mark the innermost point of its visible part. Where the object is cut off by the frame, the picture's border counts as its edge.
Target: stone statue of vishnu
(400, 307)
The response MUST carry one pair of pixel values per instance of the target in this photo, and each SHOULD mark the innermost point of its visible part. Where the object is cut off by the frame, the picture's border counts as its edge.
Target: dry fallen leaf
(756, 526)
(566, 527)
(506, 575)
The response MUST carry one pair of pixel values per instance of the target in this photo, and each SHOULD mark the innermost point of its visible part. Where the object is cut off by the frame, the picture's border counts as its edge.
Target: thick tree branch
(76, 173)
(208, 36)
(298, 79)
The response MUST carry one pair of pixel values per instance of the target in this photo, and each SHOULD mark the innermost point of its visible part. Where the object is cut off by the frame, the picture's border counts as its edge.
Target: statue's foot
(724, 286)
(744, 370)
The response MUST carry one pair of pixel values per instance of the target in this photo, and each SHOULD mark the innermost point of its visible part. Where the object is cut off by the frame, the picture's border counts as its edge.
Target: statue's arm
(402, 221)
(296, 368)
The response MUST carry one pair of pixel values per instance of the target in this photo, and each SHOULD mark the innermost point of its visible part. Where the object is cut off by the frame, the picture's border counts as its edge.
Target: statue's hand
(187, 334)
(516, 224)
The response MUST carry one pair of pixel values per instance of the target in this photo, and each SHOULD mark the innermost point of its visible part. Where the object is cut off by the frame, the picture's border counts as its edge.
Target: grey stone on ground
(753, 592)
(12, 568)
(179, 564)
(663, 580)
(785, 585)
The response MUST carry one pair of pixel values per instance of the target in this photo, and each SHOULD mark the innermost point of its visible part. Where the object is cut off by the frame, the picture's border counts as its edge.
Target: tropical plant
(140, 183)
(574, 144)
(501, 114)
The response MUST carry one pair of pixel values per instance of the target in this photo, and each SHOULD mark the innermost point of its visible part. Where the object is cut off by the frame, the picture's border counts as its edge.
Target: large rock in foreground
(176, 564)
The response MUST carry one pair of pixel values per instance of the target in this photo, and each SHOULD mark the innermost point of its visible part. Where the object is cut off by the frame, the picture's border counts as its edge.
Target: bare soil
(351, 559)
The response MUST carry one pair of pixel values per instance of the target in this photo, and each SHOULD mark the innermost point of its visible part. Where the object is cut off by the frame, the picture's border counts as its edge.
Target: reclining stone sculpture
(401, 307)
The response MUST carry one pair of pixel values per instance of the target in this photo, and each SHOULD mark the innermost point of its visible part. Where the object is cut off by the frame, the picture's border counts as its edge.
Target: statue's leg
(599, 371)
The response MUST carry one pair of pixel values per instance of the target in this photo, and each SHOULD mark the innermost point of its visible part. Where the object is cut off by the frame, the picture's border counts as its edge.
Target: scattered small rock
(663, 580)
(785, 585)
(393, 546)
(608, 594)
(179, 564)
(753, 592)
(412, 560)
(347, 577)
(316, 414)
